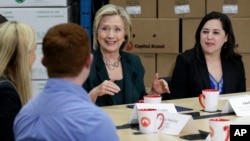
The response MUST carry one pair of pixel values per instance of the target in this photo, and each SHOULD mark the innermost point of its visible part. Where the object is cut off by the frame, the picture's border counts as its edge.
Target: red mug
(148, 118)
(151, 98)
(219, 129)
(209, 99)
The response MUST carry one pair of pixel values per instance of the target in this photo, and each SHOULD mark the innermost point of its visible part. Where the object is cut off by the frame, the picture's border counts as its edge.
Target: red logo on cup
(145, 121)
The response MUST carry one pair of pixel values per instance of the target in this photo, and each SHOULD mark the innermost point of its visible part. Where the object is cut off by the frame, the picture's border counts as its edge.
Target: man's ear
(43, 62)
(89, 61)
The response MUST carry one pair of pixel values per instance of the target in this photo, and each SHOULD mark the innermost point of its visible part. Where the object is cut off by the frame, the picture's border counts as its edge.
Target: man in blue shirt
(63, 111)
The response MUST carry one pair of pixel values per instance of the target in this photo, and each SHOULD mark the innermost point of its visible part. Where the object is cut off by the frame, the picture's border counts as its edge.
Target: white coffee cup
(152, 98)
(209, 100)
(219, 129)
(149, 120)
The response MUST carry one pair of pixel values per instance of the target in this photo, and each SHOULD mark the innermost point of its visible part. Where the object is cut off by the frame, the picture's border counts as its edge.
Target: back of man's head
(66, 48)
(2, 19)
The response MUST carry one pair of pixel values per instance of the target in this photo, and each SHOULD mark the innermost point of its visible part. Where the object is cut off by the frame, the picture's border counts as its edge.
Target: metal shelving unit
(86, 15)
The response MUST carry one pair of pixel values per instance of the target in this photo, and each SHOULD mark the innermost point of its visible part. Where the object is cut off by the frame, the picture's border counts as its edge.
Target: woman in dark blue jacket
(116, 77)
(212, 63)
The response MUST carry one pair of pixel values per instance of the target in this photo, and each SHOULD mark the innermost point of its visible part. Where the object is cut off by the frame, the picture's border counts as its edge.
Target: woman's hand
(106, 87)
(159, 85)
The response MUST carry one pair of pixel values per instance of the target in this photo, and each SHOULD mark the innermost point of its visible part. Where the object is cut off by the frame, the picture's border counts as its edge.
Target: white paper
(227, 108)
(175, 123)
(241, 105)
(238, 104)
(163, 107)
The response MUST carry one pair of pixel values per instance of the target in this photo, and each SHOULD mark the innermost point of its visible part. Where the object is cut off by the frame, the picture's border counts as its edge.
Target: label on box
(182, 9)
(230, 9)
(133, 10)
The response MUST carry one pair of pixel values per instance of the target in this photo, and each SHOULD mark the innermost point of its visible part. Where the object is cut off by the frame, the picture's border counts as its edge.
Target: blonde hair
(17, 41)
(111, 9)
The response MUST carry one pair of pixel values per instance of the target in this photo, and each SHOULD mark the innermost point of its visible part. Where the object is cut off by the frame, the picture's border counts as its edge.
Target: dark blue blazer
(191, 75)
(10, 104)
(133, 78)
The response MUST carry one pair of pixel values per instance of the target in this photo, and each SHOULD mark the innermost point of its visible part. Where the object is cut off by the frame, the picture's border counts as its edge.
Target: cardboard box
(242, 33)
(233, 8)
(151, 35)
(41, 19)
(138, 8)
(246, 58)
(148, 61)
(165, 64)
(181, 8)
(38, 70)
(189, 27)
(33, 3)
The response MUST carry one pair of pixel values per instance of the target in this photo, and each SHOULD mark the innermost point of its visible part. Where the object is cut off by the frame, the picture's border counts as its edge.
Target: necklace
(112, 66)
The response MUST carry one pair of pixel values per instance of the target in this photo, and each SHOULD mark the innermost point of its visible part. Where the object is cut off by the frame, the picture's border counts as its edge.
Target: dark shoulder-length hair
(228, 50)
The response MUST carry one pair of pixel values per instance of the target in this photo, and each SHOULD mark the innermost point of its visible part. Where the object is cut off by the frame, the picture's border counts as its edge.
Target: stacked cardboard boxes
(41, 15)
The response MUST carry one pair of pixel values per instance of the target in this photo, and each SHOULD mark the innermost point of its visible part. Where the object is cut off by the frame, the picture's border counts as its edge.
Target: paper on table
(178, 108)
(176, 123)
(227, 108)
(166, 107)
(240, 105)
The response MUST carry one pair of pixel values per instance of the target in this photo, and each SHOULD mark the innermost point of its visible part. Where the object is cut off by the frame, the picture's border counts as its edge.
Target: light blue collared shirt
(63, 111)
